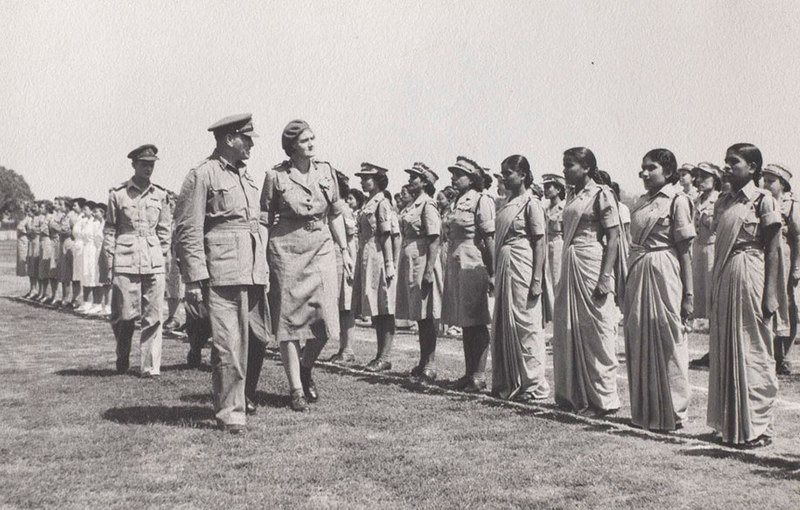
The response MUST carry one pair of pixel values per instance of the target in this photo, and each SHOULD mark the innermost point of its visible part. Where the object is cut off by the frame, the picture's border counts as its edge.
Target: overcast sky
(84, 82)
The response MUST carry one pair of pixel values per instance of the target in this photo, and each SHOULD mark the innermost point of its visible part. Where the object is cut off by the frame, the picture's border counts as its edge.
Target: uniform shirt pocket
(221, 196)
(153, 208)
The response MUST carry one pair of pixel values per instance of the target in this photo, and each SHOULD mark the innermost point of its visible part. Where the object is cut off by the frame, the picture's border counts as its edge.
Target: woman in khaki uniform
(45, 249)
(374, 281)
(419, 270)
(34, 250)
(555, 192)
(346, 318)
(470, 258)
(23, 226)
(301, 197)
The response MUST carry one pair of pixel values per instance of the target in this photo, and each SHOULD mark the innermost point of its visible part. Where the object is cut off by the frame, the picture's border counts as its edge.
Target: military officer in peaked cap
(136, 238)
(221, 239)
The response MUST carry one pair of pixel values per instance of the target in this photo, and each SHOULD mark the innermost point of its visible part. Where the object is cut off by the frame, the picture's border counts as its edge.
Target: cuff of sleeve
(684, 233)
(487, 227)
(385, 227)
(195, 273)
(771, 218)
(337, 208)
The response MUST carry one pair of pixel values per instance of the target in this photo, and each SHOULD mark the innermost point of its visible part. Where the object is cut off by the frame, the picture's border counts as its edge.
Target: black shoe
(194, 359)
(475, 386)
(378, 365)
(416, 371)
(428, 374)
(461, 383)
(759, 442)
(700, 362)
(341, 357)
(250, 407)
(784, 368)
(298, 402)
(122, 366)
(309, 388)
(234, 429)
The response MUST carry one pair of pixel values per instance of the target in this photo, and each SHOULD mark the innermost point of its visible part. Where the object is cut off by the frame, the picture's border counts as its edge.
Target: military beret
(368, 169)
(144, 153)
(240, 124)
(419, 168)
(291, 132)
(553, 179)
(708, 168)
(778, 171)
(466, 165)
(686, 167)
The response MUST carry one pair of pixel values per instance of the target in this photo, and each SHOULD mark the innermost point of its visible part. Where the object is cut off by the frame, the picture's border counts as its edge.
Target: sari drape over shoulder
(742, 385)
(656, 346)
(518, 343)
(584, 353)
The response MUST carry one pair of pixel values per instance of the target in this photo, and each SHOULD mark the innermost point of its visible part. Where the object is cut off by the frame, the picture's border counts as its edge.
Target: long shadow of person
(262, 399)
(179, 416)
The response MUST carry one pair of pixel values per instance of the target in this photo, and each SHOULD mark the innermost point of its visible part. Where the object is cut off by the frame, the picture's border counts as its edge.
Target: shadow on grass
(179, 416)
(784, 468)
(110, 372)
(262, 399)
(779, 466)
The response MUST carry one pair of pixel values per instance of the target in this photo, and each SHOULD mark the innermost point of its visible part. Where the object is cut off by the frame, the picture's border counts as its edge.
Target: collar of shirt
(130, 184)
(749, 191)
(376, 198)
(227, 165)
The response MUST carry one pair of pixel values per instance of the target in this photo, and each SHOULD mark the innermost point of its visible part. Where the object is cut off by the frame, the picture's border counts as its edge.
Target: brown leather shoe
(298, 402)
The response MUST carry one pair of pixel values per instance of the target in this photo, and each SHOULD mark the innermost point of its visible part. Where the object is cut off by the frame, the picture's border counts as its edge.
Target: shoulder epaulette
(282, 166)
(117, 188)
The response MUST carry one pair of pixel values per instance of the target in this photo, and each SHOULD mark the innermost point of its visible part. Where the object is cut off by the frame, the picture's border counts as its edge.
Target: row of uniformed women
(58, 246)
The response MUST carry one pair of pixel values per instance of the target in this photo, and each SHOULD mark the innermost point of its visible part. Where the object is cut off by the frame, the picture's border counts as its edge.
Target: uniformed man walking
(221, 244)
(136, 238)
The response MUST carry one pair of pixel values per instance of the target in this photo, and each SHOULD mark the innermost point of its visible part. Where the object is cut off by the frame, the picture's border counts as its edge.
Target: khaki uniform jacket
(221, 233)
(137, 231)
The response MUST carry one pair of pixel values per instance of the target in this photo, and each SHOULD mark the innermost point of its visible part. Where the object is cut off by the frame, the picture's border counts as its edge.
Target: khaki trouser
(131, 293)
(236, 313)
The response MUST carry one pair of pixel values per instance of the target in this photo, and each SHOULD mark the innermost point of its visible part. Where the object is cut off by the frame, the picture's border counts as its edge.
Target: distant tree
(13, 192)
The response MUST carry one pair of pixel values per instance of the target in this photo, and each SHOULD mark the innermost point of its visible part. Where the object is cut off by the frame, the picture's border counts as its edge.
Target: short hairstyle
(519, 164)
(381, 180)
(358, 196)
(668, 162)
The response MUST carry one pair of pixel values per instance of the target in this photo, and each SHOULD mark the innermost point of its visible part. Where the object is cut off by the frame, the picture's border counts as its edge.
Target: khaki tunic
(34, 246)
(419, 221)
(787, 314)
(304, 289)
(136, 237)
(22, 245)
(373, 296)
(465, 300)
(555, 240)
(703, 253)
(221, 237)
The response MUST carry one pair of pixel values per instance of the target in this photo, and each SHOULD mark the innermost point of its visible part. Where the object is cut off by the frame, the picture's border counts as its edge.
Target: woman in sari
(585, 317)
(742, 385)
(658, 297)
(777, 180)
(518, 345)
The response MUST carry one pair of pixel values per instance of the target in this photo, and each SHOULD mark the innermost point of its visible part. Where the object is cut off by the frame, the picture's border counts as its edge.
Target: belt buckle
(309, 225)
(254, 227)
(143, 233)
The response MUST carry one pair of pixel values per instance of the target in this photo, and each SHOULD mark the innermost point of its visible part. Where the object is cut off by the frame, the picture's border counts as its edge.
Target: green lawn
(75, 435)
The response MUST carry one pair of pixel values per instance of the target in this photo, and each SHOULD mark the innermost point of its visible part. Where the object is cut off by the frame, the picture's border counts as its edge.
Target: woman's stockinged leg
(290, 358)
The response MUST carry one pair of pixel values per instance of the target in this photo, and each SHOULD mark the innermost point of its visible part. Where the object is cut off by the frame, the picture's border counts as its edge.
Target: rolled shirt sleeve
(431, 220)
(770, 212)
(682, 219)
(536, 221)
(607, 208)
(383, 217)
(484, 216)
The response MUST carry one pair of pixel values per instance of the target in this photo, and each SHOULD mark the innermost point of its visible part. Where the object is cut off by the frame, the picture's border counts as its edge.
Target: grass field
(75, 435)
